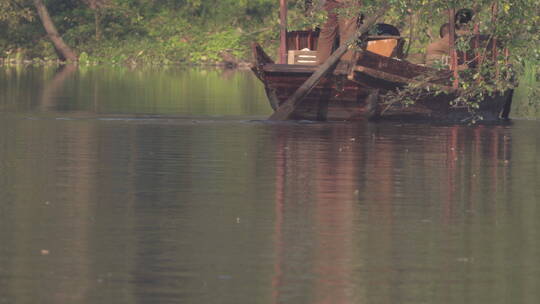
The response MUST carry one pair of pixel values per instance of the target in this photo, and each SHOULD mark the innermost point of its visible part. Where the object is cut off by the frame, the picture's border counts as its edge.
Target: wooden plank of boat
(289, 68)
(399, 67)
(399, 79)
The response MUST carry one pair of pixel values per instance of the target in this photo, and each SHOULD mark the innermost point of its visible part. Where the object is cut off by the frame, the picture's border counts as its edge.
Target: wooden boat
(346, 97)
(363, 90)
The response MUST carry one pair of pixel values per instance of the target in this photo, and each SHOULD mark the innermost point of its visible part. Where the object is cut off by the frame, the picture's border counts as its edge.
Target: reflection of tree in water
(478, 161)
(346, 197)
(52, 89)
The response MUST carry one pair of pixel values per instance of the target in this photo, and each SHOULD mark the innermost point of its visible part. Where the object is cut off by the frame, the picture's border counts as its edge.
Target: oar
(288, 107)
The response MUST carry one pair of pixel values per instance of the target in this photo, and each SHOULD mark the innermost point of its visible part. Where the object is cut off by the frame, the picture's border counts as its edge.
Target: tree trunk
(283, 31)
(97, 21)
(64, 51)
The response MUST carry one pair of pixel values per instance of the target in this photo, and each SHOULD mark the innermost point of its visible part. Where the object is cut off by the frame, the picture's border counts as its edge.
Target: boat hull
(349, 97)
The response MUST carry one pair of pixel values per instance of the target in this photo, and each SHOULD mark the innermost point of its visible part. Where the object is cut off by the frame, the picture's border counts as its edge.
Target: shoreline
(5, 62)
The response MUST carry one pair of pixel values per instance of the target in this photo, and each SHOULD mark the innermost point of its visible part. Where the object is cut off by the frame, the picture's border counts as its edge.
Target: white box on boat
(302, 57)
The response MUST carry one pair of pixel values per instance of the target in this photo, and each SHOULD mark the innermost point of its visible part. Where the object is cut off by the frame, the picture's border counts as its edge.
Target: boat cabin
(301, 46)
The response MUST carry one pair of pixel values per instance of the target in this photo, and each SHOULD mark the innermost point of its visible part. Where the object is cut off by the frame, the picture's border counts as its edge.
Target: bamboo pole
(476, 32)
(411, 33)
(283, 31)
(477, 43)
(494, 9)
(494, 50)
(452, 46)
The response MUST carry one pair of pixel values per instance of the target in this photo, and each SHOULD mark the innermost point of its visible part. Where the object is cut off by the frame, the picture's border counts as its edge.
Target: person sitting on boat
(438, 52)
(338, 24)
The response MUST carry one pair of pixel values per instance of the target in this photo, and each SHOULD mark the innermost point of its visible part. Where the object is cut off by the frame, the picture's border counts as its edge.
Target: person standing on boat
(340, 23)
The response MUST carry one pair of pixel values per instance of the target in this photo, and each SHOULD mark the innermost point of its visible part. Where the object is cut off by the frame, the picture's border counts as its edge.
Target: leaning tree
(13, 12)
(63, 50)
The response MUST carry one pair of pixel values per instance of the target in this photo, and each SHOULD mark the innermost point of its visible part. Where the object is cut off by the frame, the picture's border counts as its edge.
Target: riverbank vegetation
(198, 31)
(161, 32)
(138, 31)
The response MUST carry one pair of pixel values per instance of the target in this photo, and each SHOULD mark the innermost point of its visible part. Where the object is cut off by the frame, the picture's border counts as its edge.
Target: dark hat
(464, 15)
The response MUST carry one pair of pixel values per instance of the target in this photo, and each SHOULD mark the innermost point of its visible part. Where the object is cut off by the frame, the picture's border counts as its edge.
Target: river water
(167, 186)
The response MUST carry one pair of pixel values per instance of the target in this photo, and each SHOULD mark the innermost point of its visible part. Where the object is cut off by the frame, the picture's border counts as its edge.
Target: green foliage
(143, 31)
(515, 25)
(13, 13)
(528, 92)
(170, 31)
(302, 17)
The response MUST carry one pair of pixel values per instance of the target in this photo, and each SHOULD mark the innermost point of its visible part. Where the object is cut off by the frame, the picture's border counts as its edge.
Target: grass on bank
(527, 94)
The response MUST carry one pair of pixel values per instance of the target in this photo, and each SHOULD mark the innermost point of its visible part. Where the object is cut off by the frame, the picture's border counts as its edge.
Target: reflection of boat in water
(347, 98)
(351, 216)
